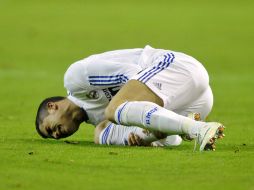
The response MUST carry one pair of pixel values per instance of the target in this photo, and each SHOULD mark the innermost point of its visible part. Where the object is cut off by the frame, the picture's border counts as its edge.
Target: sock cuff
(105, 133)
(135, 113)
(118, 112)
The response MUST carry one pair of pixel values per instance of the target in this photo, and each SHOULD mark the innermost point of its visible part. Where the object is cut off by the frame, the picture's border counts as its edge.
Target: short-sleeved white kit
(178, 79)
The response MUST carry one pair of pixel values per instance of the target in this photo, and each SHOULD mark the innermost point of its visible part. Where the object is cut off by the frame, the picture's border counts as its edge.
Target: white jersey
(92, 82)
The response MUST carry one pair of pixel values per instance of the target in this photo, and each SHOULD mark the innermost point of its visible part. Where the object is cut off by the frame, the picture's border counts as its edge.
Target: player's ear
(52, 106)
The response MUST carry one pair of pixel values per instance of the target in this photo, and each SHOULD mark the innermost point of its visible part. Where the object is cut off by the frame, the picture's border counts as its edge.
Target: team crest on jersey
(93, 94)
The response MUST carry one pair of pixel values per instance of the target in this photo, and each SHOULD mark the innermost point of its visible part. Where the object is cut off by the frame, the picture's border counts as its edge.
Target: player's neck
(77, 112)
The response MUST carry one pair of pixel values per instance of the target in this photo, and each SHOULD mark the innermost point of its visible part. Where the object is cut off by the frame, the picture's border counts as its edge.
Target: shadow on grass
(186, 146)
(84, 143)
(237, 148)
(62, 141)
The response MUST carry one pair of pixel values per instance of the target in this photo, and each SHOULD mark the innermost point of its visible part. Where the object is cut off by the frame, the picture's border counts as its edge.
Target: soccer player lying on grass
(158, 89)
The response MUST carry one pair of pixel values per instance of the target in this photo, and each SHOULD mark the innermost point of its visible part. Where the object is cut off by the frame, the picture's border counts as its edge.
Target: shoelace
(195, 142)
(195, 145)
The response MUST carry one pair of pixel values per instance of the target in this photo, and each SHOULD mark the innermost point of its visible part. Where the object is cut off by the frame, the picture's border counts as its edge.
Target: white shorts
(180, 81)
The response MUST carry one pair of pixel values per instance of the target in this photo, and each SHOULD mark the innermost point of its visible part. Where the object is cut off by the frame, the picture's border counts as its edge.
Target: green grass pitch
(40, 39)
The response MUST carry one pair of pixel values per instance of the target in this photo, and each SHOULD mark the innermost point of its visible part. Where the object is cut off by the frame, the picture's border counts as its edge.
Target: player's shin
(153, 117)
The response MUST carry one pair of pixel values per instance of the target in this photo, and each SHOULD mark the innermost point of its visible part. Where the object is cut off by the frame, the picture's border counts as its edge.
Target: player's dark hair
(42, 112)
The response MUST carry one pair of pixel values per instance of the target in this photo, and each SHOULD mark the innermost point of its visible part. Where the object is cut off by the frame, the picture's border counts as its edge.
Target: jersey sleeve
(92, 84)
(107, 73)
(75, 80)
(95, 73)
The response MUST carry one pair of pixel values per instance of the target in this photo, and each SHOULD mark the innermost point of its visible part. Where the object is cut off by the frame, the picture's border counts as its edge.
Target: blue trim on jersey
(110, 80)
(107, 80)
(105, 134)
(119, 113)
(103, 76)
(106, 84)
(165, 57)
(150, 72)
(168, 59)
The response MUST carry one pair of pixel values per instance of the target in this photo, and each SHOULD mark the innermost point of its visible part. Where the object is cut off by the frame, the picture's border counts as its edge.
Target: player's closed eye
(49, 131)
(56, 128)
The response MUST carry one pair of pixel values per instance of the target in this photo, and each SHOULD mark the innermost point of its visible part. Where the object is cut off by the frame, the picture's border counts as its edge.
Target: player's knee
(112, 107)
(207, 108)
(110, 112)
(201, 81)
(97, 133)
(98, 130)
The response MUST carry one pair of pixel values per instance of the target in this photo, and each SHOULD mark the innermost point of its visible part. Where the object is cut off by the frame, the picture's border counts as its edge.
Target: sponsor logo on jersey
(110, 92)
(107, 94)
(114, 90)
(157, 85)
(149, 114)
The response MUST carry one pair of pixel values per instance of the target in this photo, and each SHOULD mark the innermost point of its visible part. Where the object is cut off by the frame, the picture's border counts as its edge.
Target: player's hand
(135, 140)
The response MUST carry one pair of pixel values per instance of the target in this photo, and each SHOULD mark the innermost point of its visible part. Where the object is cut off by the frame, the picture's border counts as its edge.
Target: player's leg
(121, 135)
(151, 116)
(128, 108)
(111, 134)
(140, 101)
(202, 106)
(132, 91)
(198, 110)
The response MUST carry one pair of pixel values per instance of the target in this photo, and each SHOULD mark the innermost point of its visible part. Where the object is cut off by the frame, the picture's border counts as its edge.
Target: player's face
(59, 124)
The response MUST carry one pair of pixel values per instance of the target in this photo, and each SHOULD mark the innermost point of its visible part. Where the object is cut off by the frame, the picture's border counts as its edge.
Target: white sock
(115, 134)
(151, 116)
(172, 140)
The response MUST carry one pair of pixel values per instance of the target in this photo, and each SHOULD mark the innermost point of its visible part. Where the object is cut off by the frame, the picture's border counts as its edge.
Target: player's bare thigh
(133, 90)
